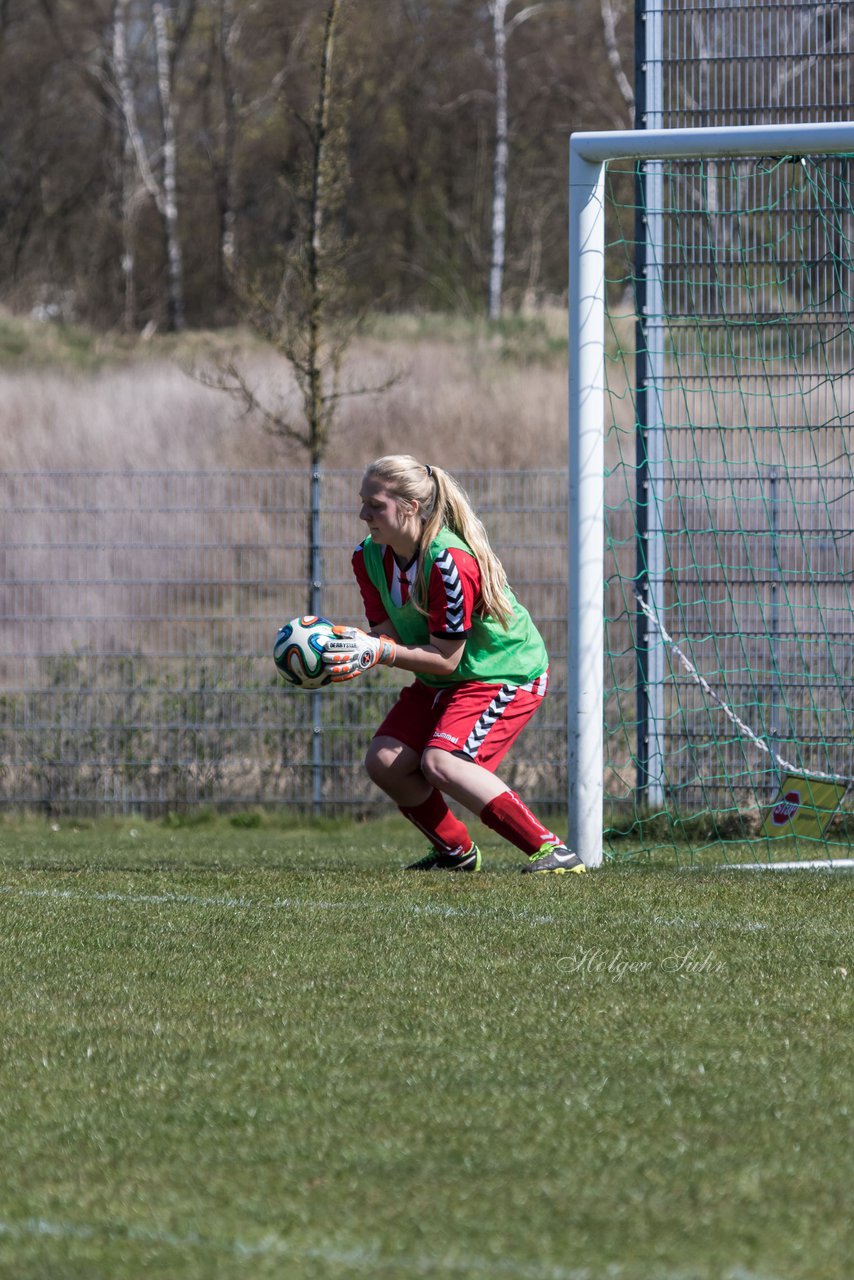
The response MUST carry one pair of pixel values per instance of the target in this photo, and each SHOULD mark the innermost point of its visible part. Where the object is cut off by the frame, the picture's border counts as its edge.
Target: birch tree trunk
(227, 212)
(612, 48)
(502, 29)
(318, 417)
(499, 167)
(133, 158)
(163, 191)
(125, 167)
(128, 263)
(169, 169)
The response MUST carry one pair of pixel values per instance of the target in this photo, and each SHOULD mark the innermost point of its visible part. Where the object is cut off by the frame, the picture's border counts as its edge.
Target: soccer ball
(298, 649)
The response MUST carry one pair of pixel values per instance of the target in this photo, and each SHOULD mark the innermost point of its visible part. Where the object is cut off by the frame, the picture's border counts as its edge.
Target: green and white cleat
(441, 860)
(555, 858)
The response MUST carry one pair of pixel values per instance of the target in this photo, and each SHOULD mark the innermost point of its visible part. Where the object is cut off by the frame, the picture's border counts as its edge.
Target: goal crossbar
(589, 154)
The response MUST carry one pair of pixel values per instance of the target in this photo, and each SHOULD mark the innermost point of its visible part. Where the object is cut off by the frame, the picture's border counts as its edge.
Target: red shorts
(478, 721)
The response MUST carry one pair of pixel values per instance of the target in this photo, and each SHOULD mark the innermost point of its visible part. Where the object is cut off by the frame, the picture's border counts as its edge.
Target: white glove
(351, 652)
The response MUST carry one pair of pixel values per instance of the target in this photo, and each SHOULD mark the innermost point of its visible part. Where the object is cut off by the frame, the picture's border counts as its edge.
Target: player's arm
(439, 657)
(384, 628)
(452, 591)
(352, 651)
(445, 651)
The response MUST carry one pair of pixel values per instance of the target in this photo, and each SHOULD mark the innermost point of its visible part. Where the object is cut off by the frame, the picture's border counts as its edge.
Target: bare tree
(306, 320)
(119, 135)
(502, 29)
(130, 201)
(298, 320)
(170, 27)
(228, 31)
(234, 92)
(611, 14)
(164, 61)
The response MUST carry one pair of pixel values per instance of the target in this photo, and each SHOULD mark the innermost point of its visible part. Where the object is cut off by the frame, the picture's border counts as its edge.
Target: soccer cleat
(440, 860)
(555, 858)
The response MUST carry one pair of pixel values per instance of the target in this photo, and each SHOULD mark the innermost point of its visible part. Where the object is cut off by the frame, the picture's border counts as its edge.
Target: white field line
(381, 908)
(817, 864)
(278, 904)
(366, 1258)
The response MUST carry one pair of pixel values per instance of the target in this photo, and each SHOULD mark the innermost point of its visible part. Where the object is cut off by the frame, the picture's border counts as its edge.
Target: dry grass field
(464, 396)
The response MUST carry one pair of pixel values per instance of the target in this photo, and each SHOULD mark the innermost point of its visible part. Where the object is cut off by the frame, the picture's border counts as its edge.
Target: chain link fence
(743, 288)
(137, 616)
(733, 62)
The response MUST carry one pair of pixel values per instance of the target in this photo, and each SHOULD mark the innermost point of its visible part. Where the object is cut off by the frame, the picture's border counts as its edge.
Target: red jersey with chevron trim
(453, 592)
(494, 652)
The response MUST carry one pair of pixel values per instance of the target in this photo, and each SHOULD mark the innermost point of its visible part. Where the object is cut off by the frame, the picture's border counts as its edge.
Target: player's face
(387, 519)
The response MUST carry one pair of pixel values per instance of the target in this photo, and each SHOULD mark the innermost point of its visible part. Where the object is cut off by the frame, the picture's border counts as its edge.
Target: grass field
(264, 1052)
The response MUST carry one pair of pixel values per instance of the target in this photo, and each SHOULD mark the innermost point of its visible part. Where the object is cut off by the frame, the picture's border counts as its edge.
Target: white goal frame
(589, 154)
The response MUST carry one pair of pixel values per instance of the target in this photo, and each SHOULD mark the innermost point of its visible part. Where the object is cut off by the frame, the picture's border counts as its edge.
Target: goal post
(591, 154)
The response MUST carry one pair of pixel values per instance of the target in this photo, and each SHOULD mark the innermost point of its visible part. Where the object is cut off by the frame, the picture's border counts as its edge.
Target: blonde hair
(444, 503)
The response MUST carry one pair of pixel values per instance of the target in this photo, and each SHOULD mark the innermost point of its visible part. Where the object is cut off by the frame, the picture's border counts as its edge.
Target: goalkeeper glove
(351, 652)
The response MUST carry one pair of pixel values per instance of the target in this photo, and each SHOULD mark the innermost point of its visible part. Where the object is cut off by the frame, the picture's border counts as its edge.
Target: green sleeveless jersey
(493, 655)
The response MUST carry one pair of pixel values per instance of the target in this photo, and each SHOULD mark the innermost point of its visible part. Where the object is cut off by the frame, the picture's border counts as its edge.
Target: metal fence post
(316, 608)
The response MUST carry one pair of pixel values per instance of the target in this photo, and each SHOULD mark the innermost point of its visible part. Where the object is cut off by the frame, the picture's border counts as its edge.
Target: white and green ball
(298, 652)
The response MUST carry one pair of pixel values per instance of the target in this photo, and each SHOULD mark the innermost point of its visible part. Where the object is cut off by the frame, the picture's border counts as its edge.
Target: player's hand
(351, 652)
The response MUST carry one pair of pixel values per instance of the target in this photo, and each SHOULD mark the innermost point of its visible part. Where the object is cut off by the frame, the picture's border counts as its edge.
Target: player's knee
(436, 765)
(377, 763)
(385, 762)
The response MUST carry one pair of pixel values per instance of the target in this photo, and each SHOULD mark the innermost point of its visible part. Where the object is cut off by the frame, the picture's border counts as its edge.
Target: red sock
(513, 820)
(435, 819)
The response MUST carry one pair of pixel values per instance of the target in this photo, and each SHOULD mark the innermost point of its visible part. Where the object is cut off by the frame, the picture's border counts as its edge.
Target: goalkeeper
(438, 605)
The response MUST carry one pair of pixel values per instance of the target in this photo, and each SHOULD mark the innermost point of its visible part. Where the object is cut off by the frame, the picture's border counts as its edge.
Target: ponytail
(445, 504)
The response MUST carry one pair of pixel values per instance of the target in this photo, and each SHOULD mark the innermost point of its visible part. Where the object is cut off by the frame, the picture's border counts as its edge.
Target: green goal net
(729, 508)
